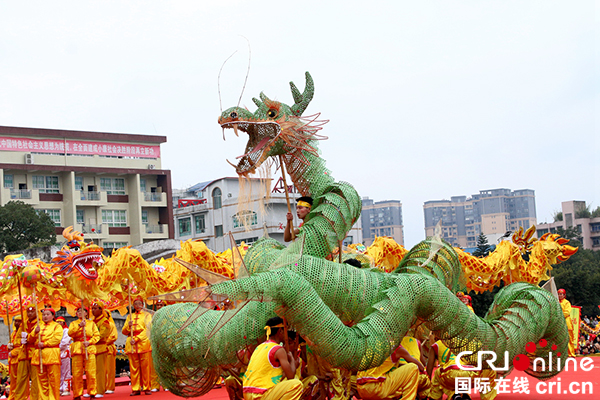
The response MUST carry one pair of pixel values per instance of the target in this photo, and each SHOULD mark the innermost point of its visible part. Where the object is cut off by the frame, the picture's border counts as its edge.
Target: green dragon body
(353, 318)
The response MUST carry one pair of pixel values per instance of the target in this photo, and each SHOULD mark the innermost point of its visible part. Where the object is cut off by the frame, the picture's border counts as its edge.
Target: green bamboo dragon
(353, 318)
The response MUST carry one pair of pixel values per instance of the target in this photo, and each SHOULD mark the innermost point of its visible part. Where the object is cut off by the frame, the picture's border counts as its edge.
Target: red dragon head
(78, 256)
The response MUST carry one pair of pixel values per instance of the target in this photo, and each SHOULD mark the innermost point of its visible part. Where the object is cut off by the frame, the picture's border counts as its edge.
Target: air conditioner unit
(28, 158)
(151, 166)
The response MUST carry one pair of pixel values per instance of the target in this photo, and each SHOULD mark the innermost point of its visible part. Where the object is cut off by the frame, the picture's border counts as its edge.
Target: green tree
(580, 277)
(596, 212)
(21, 227)
(558, 216)
(483, 248)
(583, 212)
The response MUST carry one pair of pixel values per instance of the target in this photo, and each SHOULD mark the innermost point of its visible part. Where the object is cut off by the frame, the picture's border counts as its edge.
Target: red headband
(562, 291)
(50, 309)
(60, 319)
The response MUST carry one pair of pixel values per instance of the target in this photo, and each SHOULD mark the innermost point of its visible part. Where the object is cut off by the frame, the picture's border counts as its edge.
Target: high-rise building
(575, 214)
(209, 210)
(382, 218)
(491, 212)
(110, 186)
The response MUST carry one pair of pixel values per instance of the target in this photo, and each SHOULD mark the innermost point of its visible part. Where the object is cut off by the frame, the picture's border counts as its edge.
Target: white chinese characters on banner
(466, 385)
(79, 147)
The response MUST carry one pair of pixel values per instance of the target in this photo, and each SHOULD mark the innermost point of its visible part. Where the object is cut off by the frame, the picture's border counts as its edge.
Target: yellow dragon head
(78, 257)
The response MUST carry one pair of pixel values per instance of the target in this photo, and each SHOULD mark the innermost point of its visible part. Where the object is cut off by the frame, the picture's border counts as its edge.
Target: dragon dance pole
(8, 321)
(130, 314)
(287, 197)
(37, 317)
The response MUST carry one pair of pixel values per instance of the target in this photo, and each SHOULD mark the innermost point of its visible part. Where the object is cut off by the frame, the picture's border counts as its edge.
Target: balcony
(156, 231)
(93, 231)
(153, 199)
(91, 198)
(20, 194)
(27, 196)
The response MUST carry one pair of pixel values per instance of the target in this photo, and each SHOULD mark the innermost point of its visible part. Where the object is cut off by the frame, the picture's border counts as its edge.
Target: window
(218, 230)
(114, 218)
(216, 195)
(244, 218)
(54, 215)
(200, 225)
(185, 226)
(112, 185)
(247, 241)
(46, 184)
(79, 183)
(144, 217)
(80, 215)
(143, 185)
(9, 182)
(114, 245)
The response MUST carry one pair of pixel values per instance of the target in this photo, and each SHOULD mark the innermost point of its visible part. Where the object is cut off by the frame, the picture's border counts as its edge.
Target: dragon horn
(264, 97)
(258, 103)
(302, 100)
(67, 233)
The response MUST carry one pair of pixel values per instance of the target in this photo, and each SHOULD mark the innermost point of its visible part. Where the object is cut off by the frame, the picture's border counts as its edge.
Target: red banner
(79, 147)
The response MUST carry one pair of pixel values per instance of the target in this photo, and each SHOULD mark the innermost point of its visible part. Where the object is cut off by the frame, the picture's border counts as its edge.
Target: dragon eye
(233, 114)
(272, 113)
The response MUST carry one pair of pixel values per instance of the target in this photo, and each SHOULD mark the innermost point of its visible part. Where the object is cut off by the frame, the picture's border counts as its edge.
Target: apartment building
(209, 210)
(110, 186)
(491, 212)
(382, 218)
(574, 216)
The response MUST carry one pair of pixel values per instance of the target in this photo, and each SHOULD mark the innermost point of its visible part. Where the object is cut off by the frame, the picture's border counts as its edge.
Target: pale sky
(426, 99)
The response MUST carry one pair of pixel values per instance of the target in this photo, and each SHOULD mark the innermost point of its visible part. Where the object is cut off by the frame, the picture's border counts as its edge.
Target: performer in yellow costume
(269, 365)
(47, 336)
(566, 309)
(14, 348)
(137, 328)
(388, 382)
(111, 358)
(21, 390)
(413, 347)
(443, 381)
(79, 362)
(108, 334)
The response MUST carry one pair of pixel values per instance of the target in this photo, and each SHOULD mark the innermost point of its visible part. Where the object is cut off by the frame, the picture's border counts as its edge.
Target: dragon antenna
(219, 80)
(247, 72)
(302, 100)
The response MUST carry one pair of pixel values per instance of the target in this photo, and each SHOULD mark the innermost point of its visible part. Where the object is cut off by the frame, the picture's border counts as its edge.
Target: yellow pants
(110, 366)
(401, 382)
(48, 382)
(443, 382)
(21, 389)
(101, 373)
(572, 343)
(310, 386)
(233, 385)
(79, 365)
(139, 368)
(154, 383)
(290, 389)
(12, 372)
(423, 386)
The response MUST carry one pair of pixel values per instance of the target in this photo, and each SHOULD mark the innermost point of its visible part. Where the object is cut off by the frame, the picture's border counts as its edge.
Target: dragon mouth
(262, 136)
(87, 264)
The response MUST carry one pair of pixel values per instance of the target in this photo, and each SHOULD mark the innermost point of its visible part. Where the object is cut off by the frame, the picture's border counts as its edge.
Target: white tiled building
(209, 210)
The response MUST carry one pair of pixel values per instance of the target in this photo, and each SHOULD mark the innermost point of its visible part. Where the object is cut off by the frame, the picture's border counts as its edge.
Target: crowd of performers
(85, 347)
(286, 368)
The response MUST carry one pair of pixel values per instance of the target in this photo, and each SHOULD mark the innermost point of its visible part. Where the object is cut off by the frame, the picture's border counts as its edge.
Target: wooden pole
(23, 320)
(287, 197)
(84, 326)
(8, 322)
(37, 317)
(286, 340)
(130, 314)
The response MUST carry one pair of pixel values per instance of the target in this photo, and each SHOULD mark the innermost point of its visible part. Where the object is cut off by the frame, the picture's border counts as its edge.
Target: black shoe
(135, 393)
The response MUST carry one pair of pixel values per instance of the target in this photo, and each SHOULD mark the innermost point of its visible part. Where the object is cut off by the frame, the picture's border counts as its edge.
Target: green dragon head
(274, 128)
